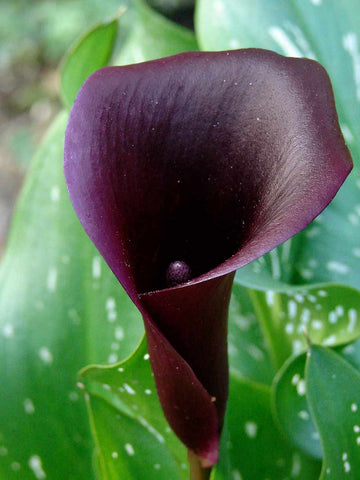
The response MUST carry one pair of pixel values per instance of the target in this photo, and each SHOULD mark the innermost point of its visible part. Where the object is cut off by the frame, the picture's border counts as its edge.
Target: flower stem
(197, 472)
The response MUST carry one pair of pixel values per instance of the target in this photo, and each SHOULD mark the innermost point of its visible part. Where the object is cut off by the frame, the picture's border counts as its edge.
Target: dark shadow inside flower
(190, 196)
(211, 159)
(195, 221)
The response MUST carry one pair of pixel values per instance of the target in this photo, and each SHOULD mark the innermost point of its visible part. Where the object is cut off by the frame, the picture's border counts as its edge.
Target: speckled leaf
(118, 458)
(351, 353)
(328, 250)
(256, 447)
(61, 309)
(149, 35)
(127, 419)
(291, 407)
(290, 404)
(329, 313)
(249, 355)
(333, 392)
(91, 52)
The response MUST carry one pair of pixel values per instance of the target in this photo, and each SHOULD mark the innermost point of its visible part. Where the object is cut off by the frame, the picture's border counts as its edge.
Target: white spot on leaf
(301, 388)
(289, 328)
(236, 475)
(129, 449)
(112, 358)
(96, 267)
(129, 390)
(119, 333)
(3, 451)
(29, 406)
(352, 314)
(55, 194)
(51, 280)
(8, 330)
(269, 298)
(35, 465)
(338, 267)
(292, 307)
(284, 42)
(45, 355)
(304, 415)
(296, 465)
(251, 429)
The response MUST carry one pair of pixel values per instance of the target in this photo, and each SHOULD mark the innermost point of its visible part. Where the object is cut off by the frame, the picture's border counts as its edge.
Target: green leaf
(91, 52)
(127, 419)
(117, 433)
(290, 403)
(222, 470)
(137, 416)
(61, 309)
(329, 249)
(333, 392)
(302, 276)
(150, 36)
(249, 355)
(328, 313)
(256, 447)
(291, 407)
(351, 353)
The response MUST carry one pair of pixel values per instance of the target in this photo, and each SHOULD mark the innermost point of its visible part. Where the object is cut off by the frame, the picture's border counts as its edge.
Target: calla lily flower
(181, 171)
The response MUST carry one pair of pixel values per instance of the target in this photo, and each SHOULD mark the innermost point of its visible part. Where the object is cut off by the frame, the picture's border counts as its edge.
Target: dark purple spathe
(210, 159)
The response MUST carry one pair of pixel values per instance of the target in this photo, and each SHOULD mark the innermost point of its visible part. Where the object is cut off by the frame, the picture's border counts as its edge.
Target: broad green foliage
(142, 440)
(116, 434)
(291, 407)
(329, 250)
(351, 353)
(335, 409)
(90, 53)
(127, 419)
(133, 437)
(330, 315)
(61, 308)
(256, 447)
(297, 284)
(248, 348)
(223, 470)
(151, 36)
(290, 403)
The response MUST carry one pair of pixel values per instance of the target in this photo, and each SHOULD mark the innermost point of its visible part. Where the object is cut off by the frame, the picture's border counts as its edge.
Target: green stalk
(197, 472)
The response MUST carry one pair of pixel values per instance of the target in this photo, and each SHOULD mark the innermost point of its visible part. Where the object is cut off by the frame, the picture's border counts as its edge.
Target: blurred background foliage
(34, 35)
